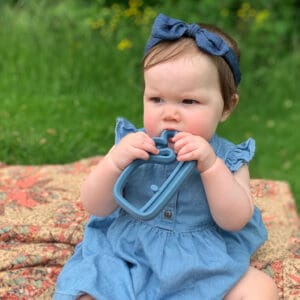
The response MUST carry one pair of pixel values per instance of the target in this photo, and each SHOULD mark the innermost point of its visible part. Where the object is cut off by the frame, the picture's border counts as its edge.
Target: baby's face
(183, 94)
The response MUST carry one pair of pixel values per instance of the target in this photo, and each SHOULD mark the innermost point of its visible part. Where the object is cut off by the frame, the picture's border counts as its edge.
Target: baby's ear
(227, 112)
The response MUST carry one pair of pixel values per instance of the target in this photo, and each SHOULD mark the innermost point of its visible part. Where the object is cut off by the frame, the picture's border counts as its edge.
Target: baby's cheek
(150, 127)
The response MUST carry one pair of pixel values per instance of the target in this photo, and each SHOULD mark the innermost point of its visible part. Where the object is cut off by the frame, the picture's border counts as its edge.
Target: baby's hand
(191, 147)
(133, 146)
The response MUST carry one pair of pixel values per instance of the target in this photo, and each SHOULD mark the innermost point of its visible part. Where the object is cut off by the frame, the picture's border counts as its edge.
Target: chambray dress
(181, 254)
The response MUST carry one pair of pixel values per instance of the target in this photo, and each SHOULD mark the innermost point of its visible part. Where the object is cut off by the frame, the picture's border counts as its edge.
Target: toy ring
(165, 192)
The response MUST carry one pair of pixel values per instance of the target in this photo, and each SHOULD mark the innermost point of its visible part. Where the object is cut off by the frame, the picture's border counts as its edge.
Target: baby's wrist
(213, 167)
(112, 163)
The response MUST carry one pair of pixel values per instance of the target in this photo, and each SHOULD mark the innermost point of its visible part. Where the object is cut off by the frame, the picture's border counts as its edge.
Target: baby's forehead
(170, 50)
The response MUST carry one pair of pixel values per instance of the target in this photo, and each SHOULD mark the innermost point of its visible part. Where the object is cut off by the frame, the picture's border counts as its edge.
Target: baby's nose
(171, 113)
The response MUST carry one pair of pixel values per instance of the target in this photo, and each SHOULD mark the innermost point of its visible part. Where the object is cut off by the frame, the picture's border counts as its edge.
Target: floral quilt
(42, 219)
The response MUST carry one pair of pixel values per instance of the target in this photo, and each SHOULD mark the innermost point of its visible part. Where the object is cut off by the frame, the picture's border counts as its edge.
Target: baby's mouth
(166, 134)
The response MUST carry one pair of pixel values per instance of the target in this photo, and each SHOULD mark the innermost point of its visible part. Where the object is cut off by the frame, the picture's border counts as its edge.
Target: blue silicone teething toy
(167, 189)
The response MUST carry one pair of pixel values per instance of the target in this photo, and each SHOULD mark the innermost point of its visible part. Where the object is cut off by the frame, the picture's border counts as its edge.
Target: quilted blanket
(42, 219)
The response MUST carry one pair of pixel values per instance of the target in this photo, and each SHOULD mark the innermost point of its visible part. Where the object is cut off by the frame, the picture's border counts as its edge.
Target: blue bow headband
(169, 29)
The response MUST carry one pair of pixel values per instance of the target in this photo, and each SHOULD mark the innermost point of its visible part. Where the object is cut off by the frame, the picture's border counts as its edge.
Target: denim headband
(169, 29)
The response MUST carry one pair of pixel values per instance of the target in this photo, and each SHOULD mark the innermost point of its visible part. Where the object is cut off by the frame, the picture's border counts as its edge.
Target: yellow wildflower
(261, 16)
(147, 17)
(134, 8)
(135, 3)
(124, 44)
(245, 12)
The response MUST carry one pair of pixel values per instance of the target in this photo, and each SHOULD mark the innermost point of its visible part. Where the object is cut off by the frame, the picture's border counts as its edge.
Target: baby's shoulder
(234, 155)
(221, 145)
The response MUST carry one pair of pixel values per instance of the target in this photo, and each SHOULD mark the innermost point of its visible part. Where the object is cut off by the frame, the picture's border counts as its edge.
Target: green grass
(62, 86)
(60, 90)
(269, 111)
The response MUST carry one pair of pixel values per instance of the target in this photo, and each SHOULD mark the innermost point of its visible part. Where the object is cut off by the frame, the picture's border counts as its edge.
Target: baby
(199, 246)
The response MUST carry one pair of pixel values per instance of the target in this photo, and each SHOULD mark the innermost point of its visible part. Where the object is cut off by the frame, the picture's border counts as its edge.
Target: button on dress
(181, 254)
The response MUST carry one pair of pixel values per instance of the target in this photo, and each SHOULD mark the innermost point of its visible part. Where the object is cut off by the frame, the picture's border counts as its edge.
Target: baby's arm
(97, 190)
(228, 194)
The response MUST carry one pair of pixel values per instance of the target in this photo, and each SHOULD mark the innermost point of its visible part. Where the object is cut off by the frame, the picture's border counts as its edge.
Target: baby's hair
(167, 50)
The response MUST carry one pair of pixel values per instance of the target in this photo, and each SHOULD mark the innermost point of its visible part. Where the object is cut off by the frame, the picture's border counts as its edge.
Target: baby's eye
(189, 101)
(156, 99)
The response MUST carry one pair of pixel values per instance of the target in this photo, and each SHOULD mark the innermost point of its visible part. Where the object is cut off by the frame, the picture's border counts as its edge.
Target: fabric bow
(169, 29)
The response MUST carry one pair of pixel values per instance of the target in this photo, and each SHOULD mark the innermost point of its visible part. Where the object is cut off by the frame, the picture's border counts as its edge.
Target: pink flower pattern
(42, 219)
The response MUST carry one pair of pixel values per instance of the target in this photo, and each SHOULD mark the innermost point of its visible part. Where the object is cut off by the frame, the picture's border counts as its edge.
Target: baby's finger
(150, 148)
(145, 143)
(181, 143)
(179, 136)
(188, 156)
(187, 148)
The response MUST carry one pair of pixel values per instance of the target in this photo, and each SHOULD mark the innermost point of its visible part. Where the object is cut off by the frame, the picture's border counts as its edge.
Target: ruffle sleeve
(240, 154)
(123, 127)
